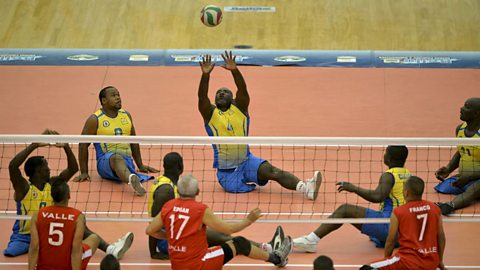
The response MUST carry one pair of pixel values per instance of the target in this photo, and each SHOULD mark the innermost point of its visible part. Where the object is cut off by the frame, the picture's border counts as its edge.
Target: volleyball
(211, 15)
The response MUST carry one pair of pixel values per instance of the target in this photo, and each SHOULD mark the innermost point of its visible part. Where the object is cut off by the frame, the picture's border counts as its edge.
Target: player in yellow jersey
(466, 184)
(33, 193)
(238, 170)
(114, 160)
(389, 193)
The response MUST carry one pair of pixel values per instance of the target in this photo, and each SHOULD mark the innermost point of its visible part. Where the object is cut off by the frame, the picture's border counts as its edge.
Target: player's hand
(254, 215)
(147, 169)
(345, 186)
(82, 177)
(207, 65)
(229, 60)
(441, 266)
(460, 182)
(442, 173)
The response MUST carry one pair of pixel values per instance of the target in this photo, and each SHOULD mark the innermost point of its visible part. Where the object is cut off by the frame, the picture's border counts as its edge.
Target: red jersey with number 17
(56, 229)
(186, 233)
(418, 233)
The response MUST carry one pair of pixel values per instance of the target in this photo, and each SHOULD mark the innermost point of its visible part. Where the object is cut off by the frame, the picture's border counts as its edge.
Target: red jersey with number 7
(418, 233)
(56, 229)
(186, 233)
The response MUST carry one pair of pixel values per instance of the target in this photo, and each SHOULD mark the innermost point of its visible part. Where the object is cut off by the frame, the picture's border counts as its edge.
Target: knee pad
(242, 245)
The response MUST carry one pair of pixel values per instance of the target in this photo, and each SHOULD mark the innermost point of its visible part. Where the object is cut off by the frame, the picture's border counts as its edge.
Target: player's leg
(309, 188)
(18, 245)
(308, 243)
(215, 238)
(242, 246)
(118, 248)
(463, 200)
(123, 167)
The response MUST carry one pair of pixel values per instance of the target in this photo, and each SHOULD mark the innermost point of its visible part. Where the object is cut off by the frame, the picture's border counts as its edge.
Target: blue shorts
(376, 232)
(18, 245)
(105, 171)
(162, 246)
(446, 187)
(242, 179)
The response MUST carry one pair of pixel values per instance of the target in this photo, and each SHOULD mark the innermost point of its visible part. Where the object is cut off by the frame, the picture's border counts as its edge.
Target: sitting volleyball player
(164, 189)
(389, 192)
(114, 160)
(238, 170)
(35, 193)
(185, 222)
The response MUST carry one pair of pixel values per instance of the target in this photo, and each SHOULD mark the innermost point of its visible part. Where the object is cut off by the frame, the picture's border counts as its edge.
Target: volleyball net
(356, 160)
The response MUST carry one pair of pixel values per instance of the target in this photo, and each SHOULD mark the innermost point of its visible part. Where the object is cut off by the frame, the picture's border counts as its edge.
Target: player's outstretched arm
(20, 184)
(443, 172)
(136, 154)
(72, 165)
(392, 234)
(90, 128)
(77, 250)
(376, 196)
(205, 107)
(154, 229)
(219, 225)
(242, 99)
(441, 242)
(34, 245)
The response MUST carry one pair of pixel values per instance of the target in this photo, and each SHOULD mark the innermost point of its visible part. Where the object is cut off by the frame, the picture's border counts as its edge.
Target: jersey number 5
(54, 230)
(424, 218)
(182, 227)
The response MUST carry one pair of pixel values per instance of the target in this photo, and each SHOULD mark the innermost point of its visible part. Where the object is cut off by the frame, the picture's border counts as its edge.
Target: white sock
(110, 249)
(312, 237)
(301, 187)
(267, 247)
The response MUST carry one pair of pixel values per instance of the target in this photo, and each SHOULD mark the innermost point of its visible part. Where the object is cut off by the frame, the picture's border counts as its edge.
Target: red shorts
(402, 262)
(212, 260)
(86, 256)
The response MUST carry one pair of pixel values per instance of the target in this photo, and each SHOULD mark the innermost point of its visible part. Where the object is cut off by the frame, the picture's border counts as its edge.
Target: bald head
(187, 186)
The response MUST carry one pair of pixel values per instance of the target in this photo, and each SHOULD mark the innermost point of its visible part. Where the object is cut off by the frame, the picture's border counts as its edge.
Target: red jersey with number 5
(186, 233)
(56, 228)
(418, 233)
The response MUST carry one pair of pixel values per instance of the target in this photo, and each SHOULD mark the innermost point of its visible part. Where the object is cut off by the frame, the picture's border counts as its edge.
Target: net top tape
(273, 141)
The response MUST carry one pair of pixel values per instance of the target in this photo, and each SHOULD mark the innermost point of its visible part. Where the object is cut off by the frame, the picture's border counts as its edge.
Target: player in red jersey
(57, 233)
(185, 221)
(420, 230)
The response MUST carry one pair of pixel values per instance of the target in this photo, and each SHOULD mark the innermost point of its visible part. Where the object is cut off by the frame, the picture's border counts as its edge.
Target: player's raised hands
(207, 65)
(229, 59)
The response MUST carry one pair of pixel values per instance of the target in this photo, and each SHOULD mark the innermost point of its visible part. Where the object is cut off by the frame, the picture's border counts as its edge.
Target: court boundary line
(240, 265)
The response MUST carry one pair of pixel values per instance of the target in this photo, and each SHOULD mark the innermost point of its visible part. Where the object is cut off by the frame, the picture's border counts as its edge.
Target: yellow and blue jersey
(469, 154)
(232, 122)
(121, 125)
(30, 204)
(395, 197)
(161, 180)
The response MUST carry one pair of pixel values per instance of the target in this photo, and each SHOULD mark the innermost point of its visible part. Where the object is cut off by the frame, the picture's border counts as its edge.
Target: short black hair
(323, 263)
(109, 262)
(60, 191)
(415, 185)
(171, 161)
(398, 154)
(103, 93)
(32, 164)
